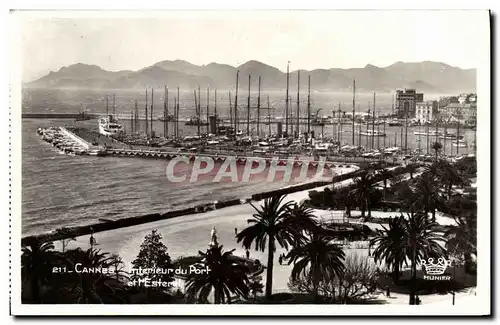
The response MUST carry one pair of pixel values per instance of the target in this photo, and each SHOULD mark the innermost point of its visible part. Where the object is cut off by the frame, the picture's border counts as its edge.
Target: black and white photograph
(205, 162)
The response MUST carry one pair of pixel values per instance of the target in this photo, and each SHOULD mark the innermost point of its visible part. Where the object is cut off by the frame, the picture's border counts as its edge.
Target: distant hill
(427, 76)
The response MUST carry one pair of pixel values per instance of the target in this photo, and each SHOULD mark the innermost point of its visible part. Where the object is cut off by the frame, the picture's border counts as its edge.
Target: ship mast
(269, 114)
(146, 116)
(114, 106)
(215, 112)
(258, 112)
(248, 106)
(236, 103)
(230, 111)
(286, 102)
(208, 103)
(152, 103)
(165, 114)
(309, 108)
(298, 103)
(107, 109)
(197, 111)
(136, 117)
(175, 116)
(373, 122)
(353, 107)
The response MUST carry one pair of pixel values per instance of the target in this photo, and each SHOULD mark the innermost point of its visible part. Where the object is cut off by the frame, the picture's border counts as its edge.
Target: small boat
(451, 136)
(83, 116)
(395, 123)
(169, 118)
(372, 133)
(196, 121)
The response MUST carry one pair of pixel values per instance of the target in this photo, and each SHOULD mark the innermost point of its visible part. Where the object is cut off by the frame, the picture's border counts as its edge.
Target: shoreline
(79, 231)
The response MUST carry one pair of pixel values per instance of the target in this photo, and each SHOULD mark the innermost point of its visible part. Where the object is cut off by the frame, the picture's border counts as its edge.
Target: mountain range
(427, 76)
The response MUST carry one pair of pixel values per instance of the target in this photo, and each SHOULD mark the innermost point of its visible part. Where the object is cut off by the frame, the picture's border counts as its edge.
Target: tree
(317, 258)
(462, 238)
(256, 286)
(225, 277)
(68, 237)
(422, 241)
(427, 195)
(437, 146)
(411, 170)
(268, 225)
(86, 287)
(363, 190)
(386, 174)
(448, 175)
(358, 280)
(36, 265)
(153, 254)
(390, 245)
(300, 219)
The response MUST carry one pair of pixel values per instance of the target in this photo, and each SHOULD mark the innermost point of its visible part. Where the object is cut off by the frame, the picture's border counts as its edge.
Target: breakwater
(55, 115)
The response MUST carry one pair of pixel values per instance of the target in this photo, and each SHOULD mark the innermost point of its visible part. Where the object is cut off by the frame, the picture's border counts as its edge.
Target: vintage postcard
(226, 162)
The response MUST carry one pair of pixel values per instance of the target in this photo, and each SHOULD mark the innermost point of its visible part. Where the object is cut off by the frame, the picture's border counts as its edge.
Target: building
(465, 113)
(426, 111)
(406, 102)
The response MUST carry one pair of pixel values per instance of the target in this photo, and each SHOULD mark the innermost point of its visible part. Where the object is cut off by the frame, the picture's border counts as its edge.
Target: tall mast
(269, 114)
(136, 119)
(114, 106)
(152, 103)
(298, 102)
(165, 114)
(248, 107)
(208, 110)
(258, 112)
(175, 116)
(236, 102)
(353, 107)
(216, 116)
(131, 121)
(437, 123)
(458, 128)
(230, 111)
(373, 122)
(107, 109)
(309, 107)
(197, 111)
(339, 129)
(406, 128)
(146, 117)
(177, 109)
(286, 102)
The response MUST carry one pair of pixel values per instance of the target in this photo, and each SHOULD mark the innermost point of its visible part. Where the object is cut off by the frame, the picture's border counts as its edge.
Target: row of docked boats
(65, 144)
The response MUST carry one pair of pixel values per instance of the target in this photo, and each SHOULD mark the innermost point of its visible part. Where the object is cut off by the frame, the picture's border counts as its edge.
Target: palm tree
(449, 175)
(390, 245)
(225, 277)
(386, 174)
(301, 219)
(363, 190)
(347, 199)
(36, 265)
(318, 259)
(462, 238)
(422, 240)
(411, 169)
(437, 146)
(86, 287)
(269, 224)
(255, 286)
(427, 195)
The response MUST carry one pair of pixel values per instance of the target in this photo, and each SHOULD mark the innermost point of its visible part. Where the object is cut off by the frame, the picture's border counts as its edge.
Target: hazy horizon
(308, 39)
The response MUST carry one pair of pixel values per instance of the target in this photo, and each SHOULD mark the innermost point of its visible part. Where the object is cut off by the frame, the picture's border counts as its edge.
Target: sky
(308, 39)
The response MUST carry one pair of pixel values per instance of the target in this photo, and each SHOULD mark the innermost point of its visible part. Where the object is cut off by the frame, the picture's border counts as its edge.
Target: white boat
(431, 133)
(450, 136)
(371, 133)
(109, 126)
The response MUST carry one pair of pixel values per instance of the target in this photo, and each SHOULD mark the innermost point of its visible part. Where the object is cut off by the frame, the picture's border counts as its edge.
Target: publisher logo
(435, 271)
